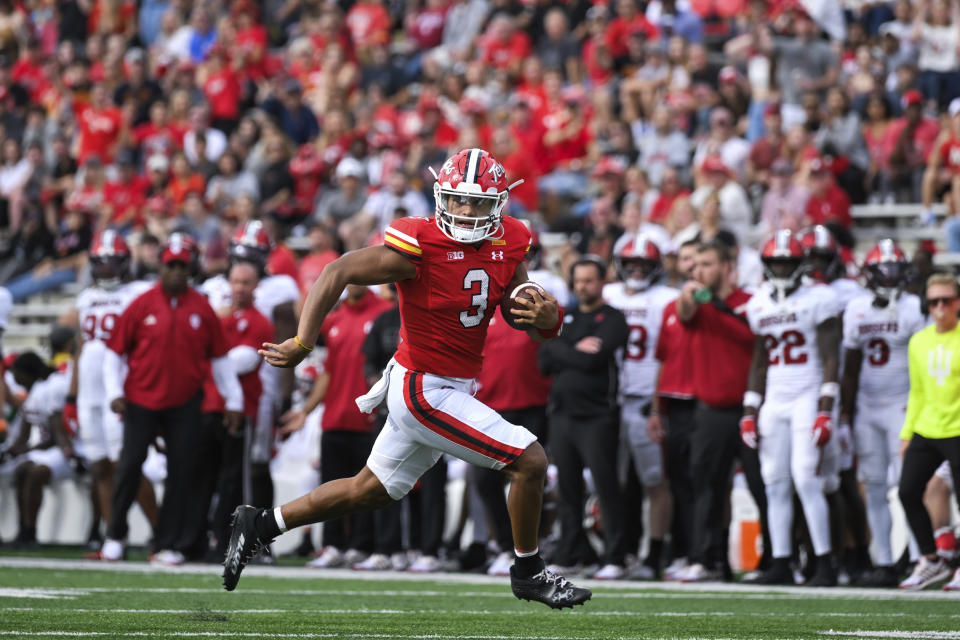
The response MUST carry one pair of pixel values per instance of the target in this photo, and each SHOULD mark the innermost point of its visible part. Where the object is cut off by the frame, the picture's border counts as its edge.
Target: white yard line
(358, 636)
(924, 635)
(639, 589)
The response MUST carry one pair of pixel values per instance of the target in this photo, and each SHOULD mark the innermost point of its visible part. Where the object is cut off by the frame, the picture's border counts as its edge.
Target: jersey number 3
(477, 282)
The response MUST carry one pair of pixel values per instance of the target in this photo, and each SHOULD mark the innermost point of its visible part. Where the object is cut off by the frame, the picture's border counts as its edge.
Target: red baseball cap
(912, 97)
(180, 247)
(714, 164)
(609, 165)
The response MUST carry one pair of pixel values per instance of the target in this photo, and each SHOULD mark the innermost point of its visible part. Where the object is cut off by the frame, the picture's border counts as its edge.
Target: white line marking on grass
(483, 612)
(924, 635)
(38, 594)
(360, 636)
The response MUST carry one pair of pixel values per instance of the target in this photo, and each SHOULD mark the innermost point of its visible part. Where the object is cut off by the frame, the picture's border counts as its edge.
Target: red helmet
(474, 177)
(638, 262)
(885, 268)
(251, 243)
(109, 258)
(823, 254)
(783, 259)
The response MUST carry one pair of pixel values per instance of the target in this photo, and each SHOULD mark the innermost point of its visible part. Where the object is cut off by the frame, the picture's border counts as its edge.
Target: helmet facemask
(638, 273)
(108, 271)
(886, 279)
(487, 209)
(784, 274)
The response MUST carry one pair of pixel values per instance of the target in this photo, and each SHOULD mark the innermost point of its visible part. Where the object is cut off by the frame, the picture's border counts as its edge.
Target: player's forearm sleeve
(225, 377)
(915, 399)
(245, 359)
(114, 374)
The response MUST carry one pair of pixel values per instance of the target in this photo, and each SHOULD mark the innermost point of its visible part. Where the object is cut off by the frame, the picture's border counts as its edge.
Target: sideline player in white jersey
(276, 297)
(794, 377)
(877, 326)
(642, 299)
(98, 308)
(825, 265)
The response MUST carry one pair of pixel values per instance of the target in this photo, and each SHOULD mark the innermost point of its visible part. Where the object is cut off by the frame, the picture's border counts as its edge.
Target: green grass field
(60, 598)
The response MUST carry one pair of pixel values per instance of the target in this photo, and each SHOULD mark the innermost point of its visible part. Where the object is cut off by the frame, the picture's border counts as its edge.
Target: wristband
(752, 399)
(301, 345)
(830, 390)
(71, 400)
(554, 331)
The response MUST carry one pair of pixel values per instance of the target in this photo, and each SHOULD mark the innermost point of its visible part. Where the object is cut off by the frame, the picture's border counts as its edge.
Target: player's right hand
(119, 405)
(748, 431)
(287, 354)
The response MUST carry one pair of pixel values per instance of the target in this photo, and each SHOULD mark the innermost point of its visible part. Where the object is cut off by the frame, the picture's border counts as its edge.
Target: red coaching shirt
(446, 308)
(169, 342)
(510, 378)
(344, 331)
(722, 347)
(674, 351)
(248, 328)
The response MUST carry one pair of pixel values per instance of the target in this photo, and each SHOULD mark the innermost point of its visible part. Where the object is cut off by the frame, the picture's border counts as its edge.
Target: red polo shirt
(169, 342)
(243, 327)
(675, 354)
(722, 348)
(510, 378)
(344, 331)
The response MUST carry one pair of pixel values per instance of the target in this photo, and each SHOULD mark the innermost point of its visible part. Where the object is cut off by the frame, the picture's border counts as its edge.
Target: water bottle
(702, 296)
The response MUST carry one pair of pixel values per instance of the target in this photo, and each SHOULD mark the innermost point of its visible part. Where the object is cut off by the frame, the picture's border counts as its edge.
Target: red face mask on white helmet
(471, 177)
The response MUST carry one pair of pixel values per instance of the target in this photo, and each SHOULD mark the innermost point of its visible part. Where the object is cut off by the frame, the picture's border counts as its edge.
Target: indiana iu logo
(938, 363)
(496, 255)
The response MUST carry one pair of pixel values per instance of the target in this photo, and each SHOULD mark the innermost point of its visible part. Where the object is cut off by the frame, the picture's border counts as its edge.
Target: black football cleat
(244, 545)
(778, 573)
(826, 575)
(550, 588)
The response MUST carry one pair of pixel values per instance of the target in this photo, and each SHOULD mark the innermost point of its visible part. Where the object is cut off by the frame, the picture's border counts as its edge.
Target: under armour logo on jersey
(497, 171)
(496, 255)
(454, 255)
(938, 363)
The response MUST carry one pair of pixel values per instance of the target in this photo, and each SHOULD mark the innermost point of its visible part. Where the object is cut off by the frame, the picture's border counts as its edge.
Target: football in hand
(510, 302)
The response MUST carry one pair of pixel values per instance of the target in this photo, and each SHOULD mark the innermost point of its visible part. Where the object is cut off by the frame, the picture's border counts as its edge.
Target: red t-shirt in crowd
(344, 331)
(311, 266)
(169, 342)
(521, 164)
(124, 196)
(675, 355)
(722, 348)
(924, 136)
(763, 153)
(950, 154)
(282, 261)
(99, 130)
(223, 91)
(425, 27)
(833, 205)
(660, 209)
(243, 327)
(501, 54)
(252, 43)
(510, 378)
(158, 140)
(619, 30)
(368, 23)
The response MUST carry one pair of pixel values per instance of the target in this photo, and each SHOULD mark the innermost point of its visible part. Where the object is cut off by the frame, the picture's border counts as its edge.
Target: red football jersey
(446, 308)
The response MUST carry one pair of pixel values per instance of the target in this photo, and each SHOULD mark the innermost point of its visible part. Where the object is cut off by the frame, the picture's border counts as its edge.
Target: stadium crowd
(685, 151)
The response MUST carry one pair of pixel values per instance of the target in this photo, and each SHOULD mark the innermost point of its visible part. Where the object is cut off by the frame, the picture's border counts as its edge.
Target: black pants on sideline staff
(489, 483)
(923, 457)
(428, 510)
(230, 482)
(575, 442)
(179, 427)
(714, 445)
(679, 433)
(342, 455)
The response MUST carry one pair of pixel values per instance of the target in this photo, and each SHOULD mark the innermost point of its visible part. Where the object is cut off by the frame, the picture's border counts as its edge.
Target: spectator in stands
(69, 256)
(723, 142)
(321, 254)
(943, 176)
(767, 149)
(785, 202)
(671, 189)
(558, 48)
(913, 135)
(215, 140)
(734, 208)
(379, 209)
(828, 205)
(879, 145)
(230, 182)
(171, 338)
(347, 199)
(840, 137)
(584, 429)
(936, 33)
(661, 145)
(288, 110)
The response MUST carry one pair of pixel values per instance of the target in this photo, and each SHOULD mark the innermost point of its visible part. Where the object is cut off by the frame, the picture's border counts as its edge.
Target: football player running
(275, 297)
(450, 270)
(101, 430)
(642, 299)
(876, 331)
(789, 401)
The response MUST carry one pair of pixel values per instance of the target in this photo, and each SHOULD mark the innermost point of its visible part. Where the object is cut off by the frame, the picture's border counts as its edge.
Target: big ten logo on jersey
(100, 327)
(454, 255)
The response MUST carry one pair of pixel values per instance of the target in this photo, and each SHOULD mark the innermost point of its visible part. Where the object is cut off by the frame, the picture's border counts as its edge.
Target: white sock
(526, 554)
(279, 518)
(780, 516)
(881, 523)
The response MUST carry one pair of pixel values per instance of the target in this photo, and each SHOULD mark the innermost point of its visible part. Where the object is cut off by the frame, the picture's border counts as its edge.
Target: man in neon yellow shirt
(931, 429)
